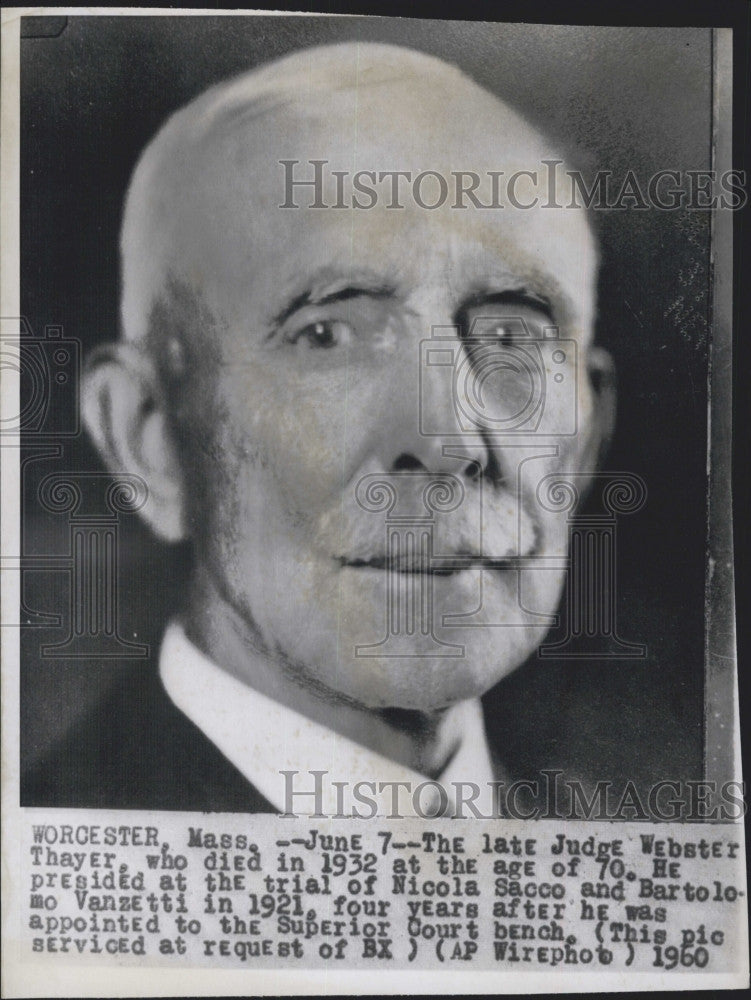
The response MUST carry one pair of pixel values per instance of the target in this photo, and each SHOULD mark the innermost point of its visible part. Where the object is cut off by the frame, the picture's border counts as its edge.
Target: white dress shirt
(262, 738)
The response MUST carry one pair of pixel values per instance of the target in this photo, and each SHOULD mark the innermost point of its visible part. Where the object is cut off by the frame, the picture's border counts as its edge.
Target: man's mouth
(446, 565)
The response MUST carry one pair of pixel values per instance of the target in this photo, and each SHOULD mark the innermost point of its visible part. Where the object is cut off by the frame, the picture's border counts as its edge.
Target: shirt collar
(263, 738)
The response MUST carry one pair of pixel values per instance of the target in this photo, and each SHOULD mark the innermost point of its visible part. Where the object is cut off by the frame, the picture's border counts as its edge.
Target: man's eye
(506, 335)
(323, 333)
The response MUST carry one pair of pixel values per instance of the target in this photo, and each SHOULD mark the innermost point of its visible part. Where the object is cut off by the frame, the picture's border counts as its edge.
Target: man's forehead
(256, 254)
(216, 174)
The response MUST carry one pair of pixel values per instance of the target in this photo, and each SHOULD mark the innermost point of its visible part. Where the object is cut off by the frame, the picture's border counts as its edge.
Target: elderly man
(306, 331)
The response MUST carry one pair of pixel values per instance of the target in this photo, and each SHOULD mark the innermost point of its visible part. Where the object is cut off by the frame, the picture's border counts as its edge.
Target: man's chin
(420, 673)
(348, 642)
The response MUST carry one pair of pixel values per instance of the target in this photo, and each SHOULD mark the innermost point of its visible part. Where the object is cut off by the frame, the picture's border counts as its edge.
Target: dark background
(616, 99)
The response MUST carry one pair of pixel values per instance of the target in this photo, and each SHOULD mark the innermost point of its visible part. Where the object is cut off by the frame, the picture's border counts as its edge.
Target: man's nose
(424, 430)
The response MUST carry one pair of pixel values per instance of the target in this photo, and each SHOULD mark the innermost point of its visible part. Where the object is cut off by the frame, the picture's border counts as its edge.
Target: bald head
(205, 199)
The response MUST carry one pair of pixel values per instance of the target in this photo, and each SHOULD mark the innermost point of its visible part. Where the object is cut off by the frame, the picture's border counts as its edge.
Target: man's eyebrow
(521, 296)
(323, 295)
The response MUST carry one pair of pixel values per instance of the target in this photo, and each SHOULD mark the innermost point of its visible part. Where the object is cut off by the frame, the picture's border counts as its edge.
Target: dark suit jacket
(138, 751)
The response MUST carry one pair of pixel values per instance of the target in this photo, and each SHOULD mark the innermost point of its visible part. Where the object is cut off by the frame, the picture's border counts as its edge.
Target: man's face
(315, 385)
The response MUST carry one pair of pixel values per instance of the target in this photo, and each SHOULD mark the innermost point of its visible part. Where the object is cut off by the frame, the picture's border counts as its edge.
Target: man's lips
(445, 565)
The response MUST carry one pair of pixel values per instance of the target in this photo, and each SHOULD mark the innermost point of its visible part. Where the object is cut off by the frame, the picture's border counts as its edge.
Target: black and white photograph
(367, 454)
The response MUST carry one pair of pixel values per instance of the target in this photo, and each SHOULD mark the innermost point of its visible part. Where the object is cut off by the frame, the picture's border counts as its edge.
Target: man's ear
(601, 373)
(124, 412)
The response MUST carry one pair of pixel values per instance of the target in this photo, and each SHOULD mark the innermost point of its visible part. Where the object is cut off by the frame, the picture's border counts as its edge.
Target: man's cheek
(297, 445)
(569, 454)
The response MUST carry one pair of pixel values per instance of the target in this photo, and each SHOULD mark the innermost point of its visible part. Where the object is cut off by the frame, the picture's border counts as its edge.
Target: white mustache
(494, 530)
